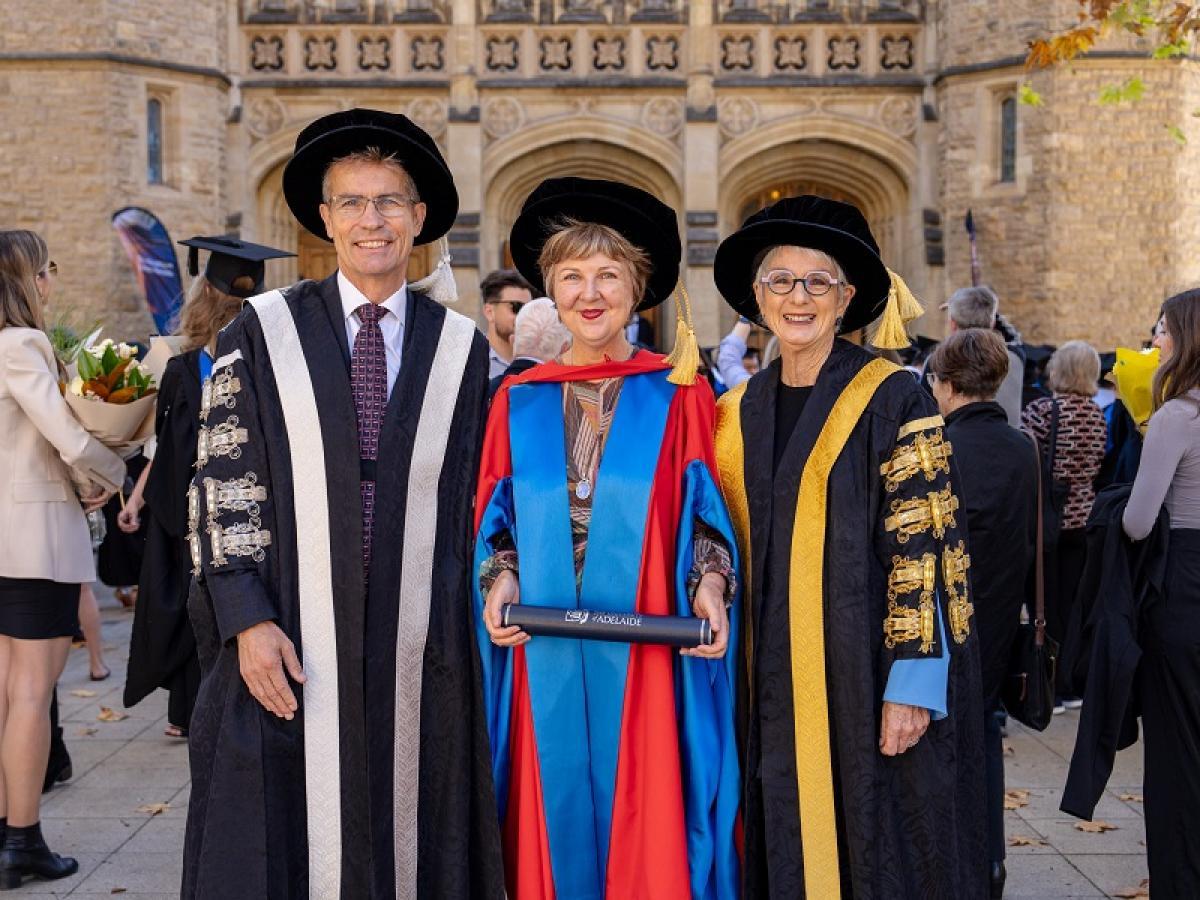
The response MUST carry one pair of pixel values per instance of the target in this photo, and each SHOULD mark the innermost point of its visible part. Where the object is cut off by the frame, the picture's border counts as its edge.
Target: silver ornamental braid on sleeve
(218, 391)
(220, 440)
(236, 495)
(241, 539)
(193, 538)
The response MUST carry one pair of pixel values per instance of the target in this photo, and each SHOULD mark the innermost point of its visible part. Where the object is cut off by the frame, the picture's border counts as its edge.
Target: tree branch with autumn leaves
(1171, 26)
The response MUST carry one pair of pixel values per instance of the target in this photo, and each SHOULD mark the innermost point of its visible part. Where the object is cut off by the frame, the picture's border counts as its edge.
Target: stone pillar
(464, 142)
(701, 191)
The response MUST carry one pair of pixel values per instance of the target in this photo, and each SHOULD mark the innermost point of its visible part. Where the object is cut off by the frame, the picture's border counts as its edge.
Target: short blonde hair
(572, 239)
(1074, 369)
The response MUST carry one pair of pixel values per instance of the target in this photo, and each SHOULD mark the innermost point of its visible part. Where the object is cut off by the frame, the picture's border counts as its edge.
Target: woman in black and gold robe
(860, 693)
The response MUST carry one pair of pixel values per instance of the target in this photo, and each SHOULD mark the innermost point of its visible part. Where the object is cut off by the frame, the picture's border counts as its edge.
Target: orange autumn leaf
(1097, 827)
(1133, 798)
(1024, 840)
(111, 715)
(1016, 799)
(153, 809)
(1062, 47)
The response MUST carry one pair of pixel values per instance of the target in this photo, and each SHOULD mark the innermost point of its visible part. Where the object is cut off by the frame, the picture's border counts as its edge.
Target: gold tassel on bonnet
(685, 356)
(901, 308)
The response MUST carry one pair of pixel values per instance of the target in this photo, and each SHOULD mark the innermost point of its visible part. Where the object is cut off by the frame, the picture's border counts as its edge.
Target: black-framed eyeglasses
(51, 269)
(352, 206)
(815, 284)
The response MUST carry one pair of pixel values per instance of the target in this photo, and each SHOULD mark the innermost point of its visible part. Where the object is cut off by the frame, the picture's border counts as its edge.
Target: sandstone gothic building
(1087, 215)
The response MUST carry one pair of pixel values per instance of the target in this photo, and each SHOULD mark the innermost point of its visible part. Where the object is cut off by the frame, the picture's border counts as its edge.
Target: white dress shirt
(392, 325)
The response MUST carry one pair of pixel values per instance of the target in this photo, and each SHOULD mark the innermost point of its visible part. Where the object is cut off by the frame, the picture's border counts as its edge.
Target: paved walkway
(122, 815)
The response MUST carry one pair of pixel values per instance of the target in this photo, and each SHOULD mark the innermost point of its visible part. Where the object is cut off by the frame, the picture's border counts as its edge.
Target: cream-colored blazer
(44, 452)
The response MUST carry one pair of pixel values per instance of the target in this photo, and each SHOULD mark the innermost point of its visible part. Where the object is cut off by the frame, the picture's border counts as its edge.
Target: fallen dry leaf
(1015, 799)
(1009, 750)
(154, 809)
(1097, 827)
(1134, 893)
(1133, 798)
(111, 715)
(87, 731)
(82, 692)
(1024, 840)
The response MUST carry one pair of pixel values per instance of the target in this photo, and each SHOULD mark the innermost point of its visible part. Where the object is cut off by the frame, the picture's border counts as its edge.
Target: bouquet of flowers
(112, 395)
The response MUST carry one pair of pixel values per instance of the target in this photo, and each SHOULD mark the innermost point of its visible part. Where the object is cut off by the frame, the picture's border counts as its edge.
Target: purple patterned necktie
(368, 383)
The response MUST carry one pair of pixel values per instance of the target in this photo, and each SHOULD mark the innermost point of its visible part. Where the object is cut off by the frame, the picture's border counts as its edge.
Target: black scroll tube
(593, 625)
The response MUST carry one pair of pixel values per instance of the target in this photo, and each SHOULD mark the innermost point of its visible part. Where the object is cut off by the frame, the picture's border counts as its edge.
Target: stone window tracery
(503, 54)
(608, 53)
(896, 52)
(266, 53)
(428, 54)
(843, 53)
(737, 53)
(789, 53)
(662, 53)
(374, 53)
(556, 53)
(320, 53)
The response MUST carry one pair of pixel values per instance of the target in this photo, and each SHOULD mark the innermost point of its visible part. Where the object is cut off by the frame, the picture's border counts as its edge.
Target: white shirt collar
(353, 298)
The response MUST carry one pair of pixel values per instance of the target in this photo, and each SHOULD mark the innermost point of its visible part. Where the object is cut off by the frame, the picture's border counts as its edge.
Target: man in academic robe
(339, 748)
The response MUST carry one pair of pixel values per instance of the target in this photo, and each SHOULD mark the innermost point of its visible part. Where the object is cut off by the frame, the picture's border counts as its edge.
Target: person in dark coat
(162, 649)
(860, 704)
(996, 468)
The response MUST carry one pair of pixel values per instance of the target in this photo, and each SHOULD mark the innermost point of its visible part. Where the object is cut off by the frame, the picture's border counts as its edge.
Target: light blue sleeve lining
(922, 682)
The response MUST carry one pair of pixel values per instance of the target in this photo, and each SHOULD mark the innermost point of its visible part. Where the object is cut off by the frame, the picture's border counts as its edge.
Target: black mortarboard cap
(230, 259)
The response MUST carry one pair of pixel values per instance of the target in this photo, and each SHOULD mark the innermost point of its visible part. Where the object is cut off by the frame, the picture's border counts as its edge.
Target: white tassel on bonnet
(439, 284)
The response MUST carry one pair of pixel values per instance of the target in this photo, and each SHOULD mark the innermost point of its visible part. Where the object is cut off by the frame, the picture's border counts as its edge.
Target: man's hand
(902, 727)
(505, 589)
(709, 603)
(263, 652)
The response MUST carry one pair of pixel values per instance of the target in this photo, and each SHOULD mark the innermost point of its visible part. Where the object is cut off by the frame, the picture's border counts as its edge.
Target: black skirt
(1170, 689)
(35, 609)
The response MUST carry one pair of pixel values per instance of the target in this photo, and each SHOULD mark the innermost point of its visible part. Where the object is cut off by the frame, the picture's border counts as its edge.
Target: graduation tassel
(439, 284)
(685, 357)
(901, 308)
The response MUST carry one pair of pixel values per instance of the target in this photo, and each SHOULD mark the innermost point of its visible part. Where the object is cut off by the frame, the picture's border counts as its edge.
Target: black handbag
(1054, 500)
(1028, 690)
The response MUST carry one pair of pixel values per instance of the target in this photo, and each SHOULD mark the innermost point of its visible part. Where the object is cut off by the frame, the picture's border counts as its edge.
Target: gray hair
(973, 307)
(538, 332)
(378, 157)
(762, 268)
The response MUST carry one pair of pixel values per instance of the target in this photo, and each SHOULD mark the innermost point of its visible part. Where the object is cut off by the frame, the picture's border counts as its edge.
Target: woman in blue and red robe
(615, 765)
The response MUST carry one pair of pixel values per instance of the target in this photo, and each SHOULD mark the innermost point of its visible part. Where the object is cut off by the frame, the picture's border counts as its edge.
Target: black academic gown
(996, 468)
(249, 831)
(909, 826)
(162, 649)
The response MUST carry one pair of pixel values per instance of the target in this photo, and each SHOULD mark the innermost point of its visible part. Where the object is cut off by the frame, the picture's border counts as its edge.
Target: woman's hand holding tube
(709, 603)
(505, 589)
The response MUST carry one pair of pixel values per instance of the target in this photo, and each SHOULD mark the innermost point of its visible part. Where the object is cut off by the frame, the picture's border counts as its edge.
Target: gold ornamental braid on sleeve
(955, 562)
(926, 455)
(935, 511)
(903, 623)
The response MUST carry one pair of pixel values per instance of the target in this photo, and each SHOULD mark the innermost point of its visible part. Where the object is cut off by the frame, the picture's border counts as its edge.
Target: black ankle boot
(997, 876)
(25, 853)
